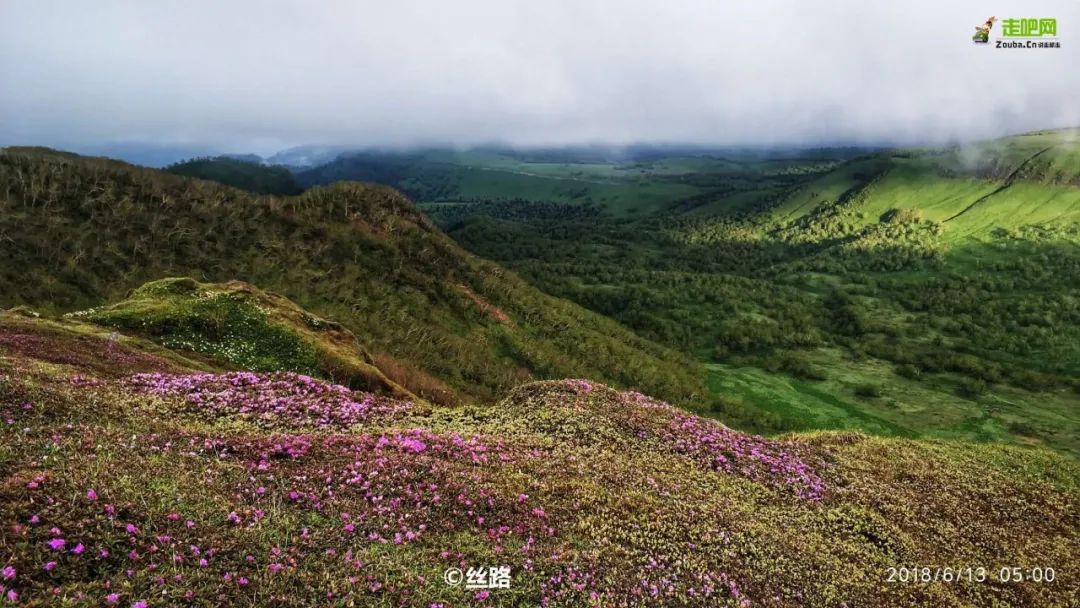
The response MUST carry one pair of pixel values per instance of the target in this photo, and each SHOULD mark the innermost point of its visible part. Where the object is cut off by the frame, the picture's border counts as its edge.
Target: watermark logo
(1022, 33)
(982, 32)
(487, 577)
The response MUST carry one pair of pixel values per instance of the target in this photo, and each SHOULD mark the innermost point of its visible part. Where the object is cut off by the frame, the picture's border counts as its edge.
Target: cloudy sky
(261, 75)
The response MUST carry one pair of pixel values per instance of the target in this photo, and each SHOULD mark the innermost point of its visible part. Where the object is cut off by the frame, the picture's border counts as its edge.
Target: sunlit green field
(870, 395)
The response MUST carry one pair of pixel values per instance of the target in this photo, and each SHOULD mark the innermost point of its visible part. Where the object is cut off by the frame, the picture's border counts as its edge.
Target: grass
(902, 407)
(241, 326)
(591, 496)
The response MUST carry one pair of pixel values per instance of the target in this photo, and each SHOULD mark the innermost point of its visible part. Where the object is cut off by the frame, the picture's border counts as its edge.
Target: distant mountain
(240, 173)
(158, 156)
(634, 180)
(307, 156)
(248, 158)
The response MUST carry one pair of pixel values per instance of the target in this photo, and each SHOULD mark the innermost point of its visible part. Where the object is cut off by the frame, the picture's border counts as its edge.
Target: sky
(262, 75)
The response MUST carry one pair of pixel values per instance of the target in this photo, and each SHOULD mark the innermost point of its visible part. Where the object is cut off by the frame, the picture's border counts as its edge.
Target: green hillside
(239, 173)
(1026, 180)
(133, 475)
(238, 325)
(79, 232)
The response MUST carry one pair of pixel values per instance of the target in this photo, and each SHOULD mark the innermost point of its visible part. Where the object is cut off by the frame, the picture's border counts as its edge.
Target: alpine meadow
(509, 305)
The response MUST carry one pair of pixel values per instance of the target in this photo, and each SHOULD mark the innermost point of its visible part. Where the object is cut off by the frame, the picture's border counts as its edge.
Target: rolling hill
(1019, 181)
(79, 232)
(238, 325)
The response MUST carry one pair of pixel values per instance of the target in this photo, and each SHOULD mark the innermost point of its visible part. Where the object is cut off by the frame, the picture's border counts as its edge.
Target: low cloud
(263, 75)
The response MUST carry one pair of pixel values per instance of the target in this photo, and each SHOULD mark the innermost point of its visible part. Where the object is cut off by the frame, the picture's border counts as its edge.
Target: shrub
(971, 387)
(909, 371)
(868, 391)
(795, 365)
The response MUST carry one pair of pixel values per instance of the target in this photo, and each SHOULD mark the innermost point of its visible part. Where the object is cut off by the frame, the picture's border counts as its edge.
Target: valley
(918, 292)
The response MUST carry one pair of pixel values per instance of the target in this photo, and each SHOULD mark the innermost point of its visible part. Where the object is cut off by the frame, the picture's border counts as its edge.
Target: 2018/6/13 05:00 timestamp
(969, 574)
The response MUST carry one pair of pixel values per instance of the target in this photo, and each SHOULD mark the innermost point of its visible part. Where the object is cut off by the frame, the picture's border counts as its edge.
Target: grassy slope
(592, 498)
(79, 231)
(1004, 183)
(239, 325)
(902, 407)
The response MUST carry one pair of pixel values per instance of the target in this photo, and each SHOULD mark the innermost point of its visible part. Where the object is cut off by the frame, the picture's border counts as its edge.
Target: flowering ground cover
(100, 352)
(160, 485)
(276, 398)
